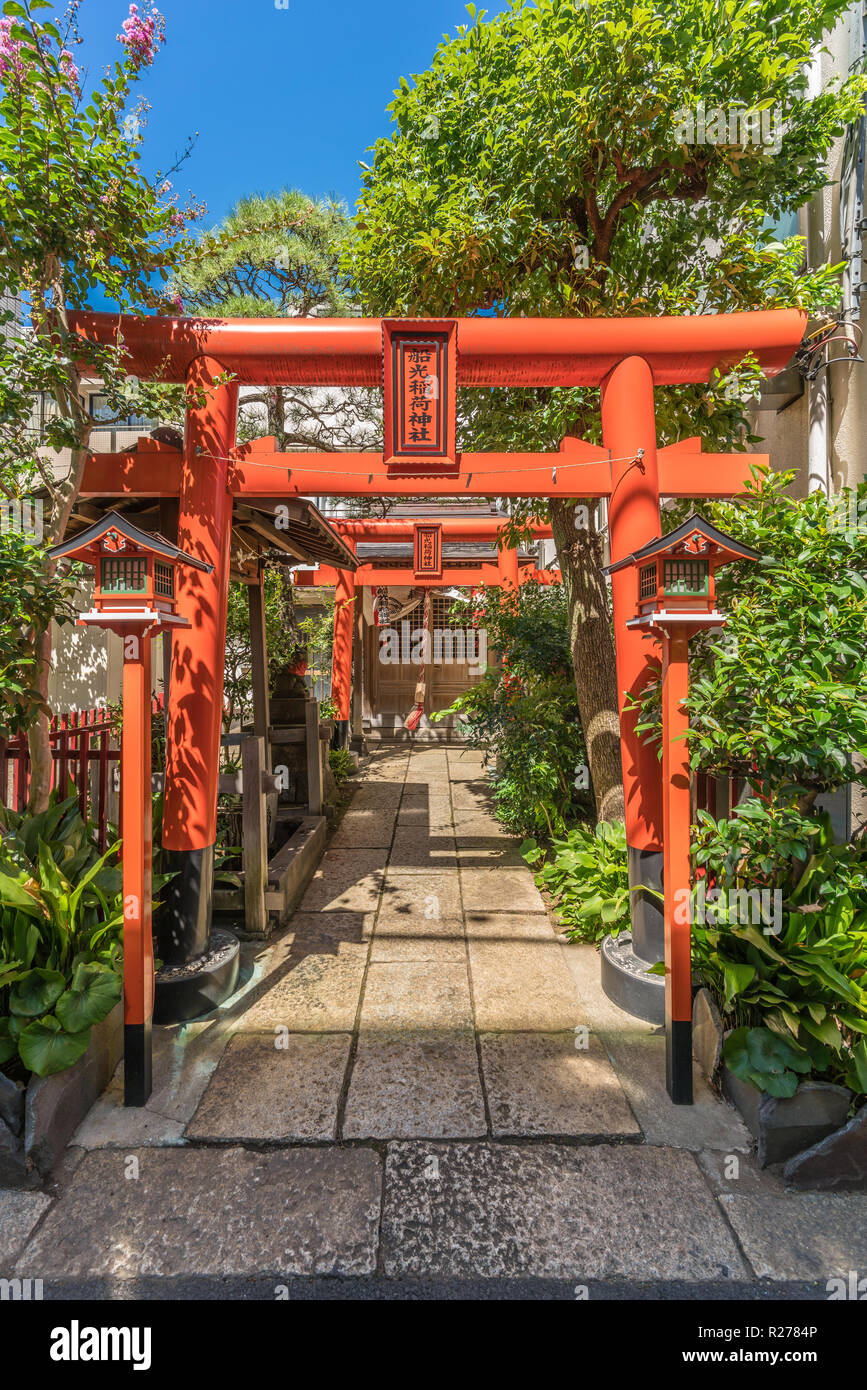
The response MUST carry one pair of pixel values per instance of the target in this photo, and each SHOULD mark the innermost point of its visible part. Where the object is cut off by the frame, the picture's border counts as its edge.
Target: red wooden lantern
(134, 594)
(675, 575)
(675, 595)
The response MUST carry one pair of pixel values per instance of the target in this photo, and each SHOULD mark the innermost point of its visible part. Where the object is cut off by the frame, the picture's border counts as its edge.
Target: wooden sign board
(427, 550)
(419, 375)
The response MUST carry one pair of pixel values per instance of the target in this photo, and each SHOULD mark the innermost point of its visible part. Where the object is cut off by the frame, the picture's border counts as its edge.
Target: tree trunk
(580, 556)
(39, 733)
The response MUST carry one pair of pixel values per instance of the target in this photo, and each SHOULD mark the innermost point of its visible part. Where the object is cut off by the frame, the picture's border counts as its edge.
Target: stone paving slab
(522, 988)
(466, 767)
(472, 799)
(346, 881)
(434, 821)
(801, 1235)
(213, 1211)
(410, 897)
(184, 1058)
(405, 1085)
(364, 830)
(420, 852)
(109, 1124)
(637, 1052)
(19, 1213)
(416, 996)
(519, 927)
(420, 940)
(503, 890)
(316, 990)
(562, 1211)
(262, 1090)
(487, 852)
(422, 795)
(541, 1084)
(381, 798)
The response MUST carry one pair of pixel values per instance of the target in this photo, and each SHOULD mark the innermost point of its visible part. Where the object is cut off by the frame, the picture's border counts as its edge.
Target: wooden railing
(85, 749)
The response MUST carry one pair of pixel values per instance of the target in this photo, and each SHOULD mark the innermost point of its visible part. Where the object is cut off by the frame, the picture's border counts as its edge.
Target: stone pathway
(418, 1080)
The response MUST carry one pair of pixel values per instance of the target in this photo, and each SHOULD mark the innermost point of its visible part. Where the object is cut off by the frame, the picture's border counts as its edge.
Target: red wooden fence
(84, 746)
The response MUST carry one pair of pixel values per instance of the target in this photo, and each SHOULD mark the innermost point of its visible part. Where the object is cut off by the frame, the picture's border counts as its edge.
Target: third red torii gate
(627, 358)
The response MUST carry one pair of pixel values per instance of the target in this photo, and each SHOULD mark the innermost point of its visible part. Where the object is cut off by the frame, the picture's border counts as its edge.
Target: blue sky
(280, 97)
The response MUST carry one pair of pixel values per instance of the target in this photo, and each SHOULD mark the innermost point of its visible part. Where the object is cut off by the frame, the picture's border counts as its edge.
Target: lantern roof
(79, 547)
(695, 525)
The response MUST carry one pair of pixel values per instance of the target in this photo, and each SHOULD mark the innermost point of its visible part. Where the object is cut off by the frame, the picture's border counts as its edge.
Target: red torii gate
(627, 358)
(504, 574)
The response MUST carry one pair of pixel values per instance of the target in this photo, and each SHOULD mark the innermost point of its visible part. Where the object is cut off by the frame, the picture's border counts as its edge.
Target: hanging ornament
(381, 608)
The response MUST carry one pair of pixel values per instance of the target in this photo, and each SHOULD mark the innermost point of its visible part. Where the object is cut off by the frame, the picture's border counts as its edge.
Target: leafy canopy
(539, 167)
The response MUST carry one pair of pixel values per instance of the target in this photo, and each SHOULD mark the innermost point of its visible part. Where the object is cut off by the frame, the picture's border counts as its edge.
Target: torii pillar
(629, 432)
(507, 564)
(195, 703)
(341, 657)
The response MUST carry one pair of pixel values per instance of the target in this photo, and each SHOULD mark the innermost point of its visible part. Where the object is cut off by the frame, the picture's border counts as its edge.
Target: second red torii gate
(505, 573)
(627, 358)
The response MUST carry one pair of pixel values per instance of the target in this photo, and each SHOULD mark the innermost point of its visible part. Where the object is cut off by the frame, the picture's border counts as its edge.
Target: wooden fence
(85, 748)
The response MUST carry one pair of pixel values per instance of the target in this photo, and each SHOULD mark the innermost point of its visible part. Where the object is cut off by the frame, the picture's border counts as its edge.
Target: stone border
(807, 1131)
(54, 1106)
(293, 866)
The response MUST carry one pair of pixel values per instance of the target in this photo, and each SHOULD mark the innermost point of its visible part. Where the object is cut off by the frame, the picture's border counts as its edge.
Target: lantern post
(134, 596)
(675, 596)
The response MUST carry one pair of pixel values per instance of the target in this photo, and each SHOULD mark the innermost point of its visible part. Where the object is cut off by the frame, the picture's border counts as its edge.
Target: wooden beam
(143, 475)
(473, 574)
(259, 655)
(255, 835)
(585, 472)
(684, 471)
(314, 764)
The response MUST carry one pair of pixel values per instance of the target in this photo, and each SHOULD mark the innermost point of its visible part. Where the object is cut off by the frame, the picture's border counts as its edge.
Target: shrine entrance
(419, 364)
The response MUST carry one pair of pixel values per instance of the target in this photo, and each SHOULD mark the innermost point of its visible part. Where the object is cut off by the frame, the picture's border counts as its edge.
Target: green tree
(29, 599)
(77, 215)
(541, 166)
(279, 256)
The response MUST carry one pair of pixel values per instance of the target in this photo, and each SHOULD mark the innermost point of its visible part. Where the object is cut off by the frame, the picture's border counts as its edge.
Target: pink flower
(10, 51)
(68, 68)
(140, 36)
(178, 303)
(177, 220)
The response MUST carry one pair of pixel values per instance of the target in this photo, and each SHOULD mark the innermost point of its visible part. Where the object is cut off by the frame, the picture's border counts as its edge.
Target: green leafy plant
(340, 761)
(804, 984)
(61, 933)
(524, 712)
(585, 871)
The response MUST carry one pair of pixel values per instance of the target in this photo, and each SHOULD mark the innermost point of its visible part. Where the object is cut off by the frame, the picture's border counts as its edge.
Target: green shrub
(792, 987)
(585, 872)
(525, 712)
(61, 934)
(340, 761)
